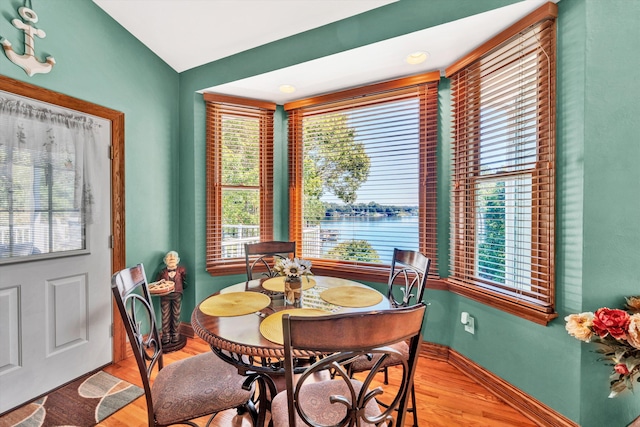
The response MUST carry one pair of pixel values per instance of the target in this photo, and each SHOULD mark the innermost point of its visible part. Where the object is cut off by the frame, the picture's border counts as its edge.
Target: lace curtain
(46, 184)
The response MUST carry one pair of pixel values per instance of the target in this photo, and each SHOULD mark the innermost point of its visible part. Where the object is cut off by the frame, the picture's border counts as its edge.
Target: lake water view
(383, 233)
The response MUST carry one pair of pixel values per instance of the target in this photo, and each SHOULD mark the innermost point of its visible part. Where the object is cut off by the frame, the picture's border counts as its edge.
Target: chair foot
(411, 409)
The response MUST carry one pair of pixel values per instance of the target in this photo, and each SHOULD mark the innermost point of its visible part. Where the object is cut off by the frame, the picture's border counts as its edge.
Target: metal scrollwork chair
(342, 400)
(406, 285)
(261, 256)
(184, 390)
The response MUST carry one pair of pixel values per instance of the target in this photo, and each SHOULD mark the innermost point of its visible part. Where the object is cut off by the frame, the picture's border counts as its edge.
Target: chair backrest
(408, 274)
(131, 293)
(341, 338)
(261, 256)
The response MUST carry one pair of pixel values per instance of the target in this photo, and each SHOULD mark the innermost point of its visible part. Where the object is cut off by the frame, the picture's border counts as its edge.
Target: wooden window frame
(540, 307)
(215, 103)
(427, 221)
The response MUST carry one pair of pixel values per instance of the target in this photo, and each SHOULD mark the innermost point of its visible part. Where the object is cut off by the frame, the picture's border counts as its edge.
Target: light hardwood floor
(446, 397)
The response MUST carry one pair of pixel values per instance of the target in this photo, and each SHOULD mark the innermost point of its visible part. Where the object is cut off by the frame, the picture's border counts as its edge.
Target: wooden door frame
(117, 180)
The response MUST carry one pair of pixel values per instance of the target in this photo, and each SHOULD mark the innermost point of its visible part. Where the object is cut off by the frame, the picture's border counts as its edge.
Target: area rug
(82, 403)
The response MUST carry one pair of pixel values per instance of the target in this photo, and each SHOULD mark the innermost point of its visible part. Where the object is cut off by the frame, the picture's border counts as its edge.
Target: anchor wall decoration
(28, 62)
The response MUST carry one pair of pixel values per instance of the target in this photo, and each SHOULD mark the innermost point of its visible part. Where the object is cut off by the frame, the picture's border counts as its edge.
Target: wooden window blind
(362, 176)
(503, 188)
(239, 179)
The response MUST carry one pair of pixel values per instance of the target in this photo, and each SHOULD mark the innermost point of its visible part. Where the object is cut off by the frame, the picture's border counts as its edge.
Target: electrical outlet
(470, 326)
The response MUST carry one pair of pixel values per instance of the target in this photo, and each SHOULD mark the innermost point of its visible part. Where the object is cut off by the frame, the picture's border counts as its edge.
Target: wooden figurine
(171, 303)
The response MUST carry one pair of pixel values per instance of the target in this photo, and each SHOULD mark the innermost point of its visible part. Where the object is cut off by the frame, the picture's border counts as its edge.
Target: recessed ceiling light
(416, 58)
(287, 89)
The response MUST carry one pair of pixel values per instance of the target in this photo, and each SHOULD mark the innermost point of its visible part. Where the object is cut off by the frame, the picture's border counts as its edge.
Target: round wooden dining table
(233, 322)
(240, 338)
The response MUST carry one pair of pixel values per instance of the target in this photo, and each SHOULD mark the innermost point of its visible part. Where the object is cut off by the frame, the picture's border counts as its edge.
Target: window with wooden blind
(503, 188)
(239, 179)
(362, 176)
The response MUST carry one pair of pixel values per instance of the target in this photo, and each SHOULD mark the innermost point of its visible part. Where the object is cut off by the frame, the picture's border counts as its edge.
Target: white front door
(55, 311)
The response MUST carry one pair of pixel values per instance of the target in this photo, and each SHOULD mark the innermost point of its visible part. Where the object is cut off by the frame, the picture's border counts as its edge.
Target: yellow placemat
(276, 284)
(234, 304)
(271, 326)
(352, 296)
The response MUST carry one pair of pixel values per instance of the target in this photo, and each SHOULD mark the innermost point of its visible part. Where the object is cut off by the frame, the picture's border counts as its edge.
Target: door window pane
(46, 197)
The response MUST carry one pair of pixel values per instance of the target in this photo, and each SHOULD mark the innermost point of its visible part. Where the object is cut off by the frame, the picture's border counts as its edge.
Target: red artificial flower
(611, 321)
(621, 368)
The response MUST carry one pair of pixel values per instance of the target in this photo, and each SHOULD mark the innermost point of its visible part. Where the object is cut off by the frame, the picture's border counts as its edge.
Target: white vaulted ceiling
(190, 33)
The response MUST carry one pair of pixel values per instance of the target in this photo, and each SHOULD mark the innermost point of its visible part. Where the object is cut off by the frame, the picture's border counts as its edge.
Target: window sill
(540, 315)
(227, 268)
(379, 274)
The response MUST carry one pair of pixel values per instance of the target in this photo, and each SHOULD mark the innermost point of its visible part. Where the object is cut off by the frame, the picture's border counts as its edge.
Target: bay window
(502, 212)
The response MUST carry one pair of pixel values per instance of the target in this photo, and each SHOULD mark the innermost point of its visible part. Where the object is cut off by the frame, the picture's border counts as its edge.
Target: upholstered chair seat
(314, 401)
(362, 364)
(205, 385)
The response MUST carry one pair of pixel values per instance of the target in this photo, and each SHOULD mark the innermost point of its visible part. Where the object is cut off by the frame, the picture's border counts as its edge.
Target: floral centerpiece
(617, 334)
(293, 268)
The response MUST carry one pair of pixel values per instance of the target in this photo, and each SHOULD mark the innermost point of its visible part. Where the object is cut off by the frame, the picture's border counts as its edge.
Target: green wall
(542, 361)
(98, 61)
(597, 153)
(611, 248)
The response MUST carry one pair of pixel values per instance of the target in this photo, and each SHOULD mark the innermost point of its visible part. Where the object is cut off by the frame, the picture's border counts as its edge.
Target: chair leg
(253, 412)
(258, 407)
(414, 408)
(250, 408)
